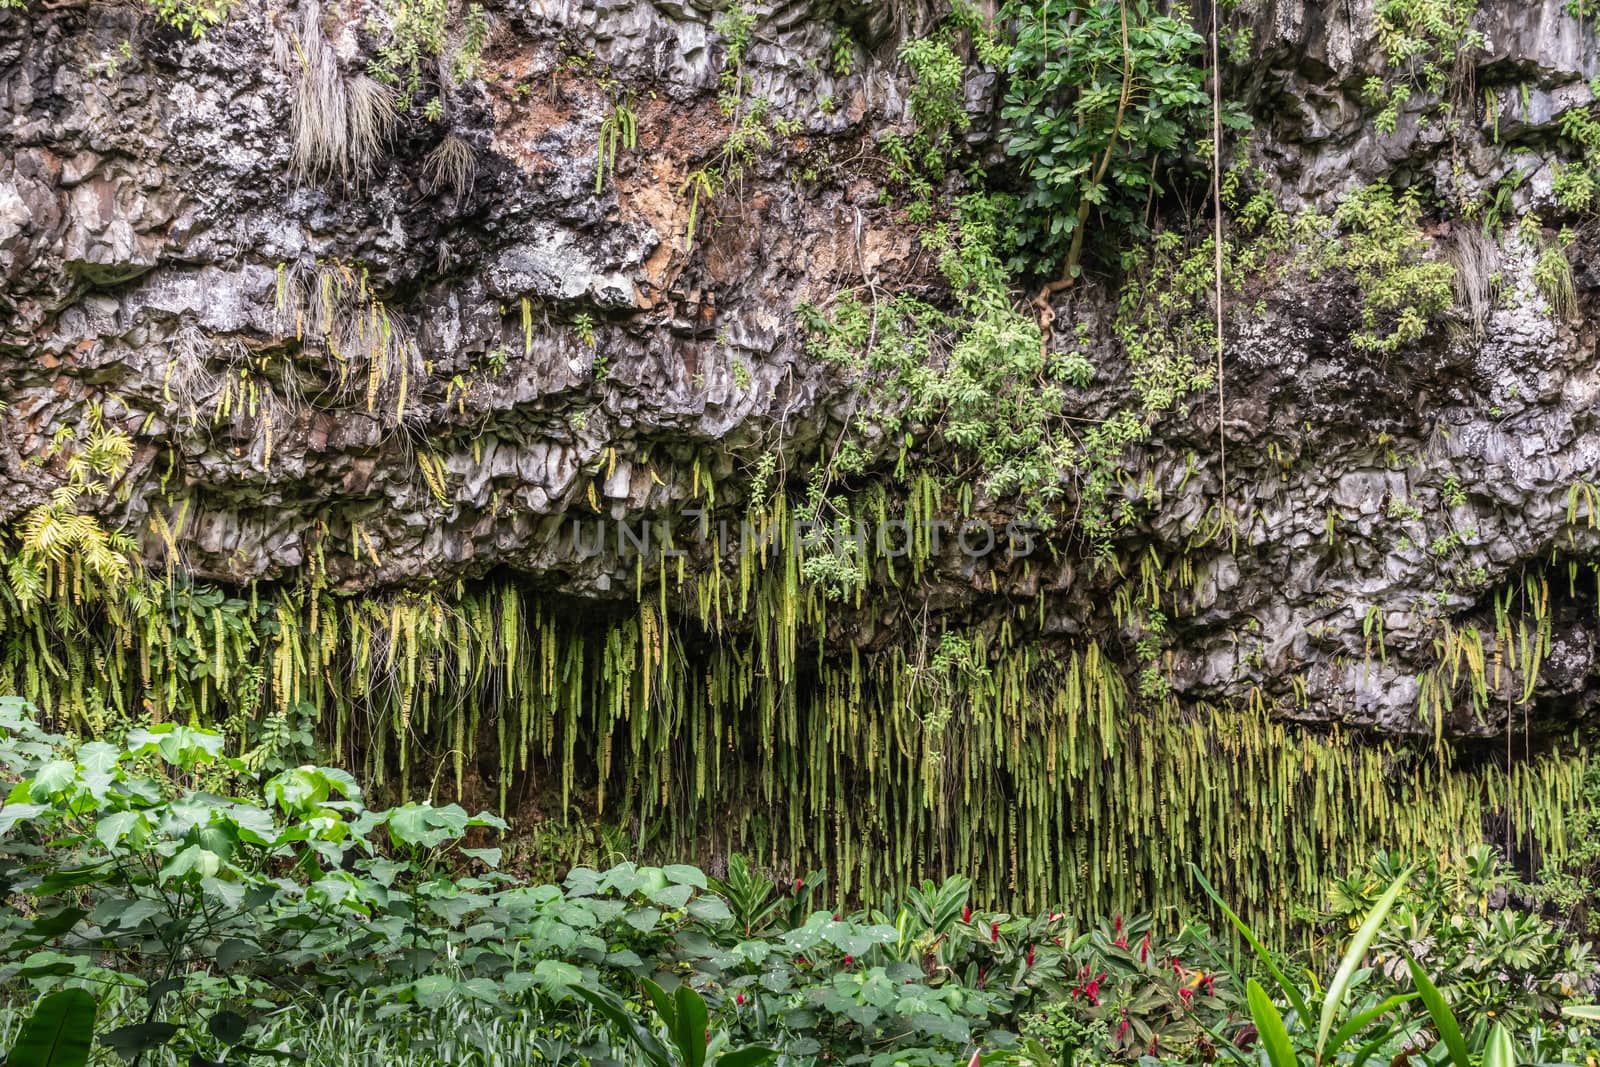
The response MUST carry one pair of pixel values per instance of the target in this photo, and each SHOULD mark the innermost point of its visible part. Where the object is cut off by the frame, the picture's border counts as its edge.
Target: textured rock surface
(155, 244)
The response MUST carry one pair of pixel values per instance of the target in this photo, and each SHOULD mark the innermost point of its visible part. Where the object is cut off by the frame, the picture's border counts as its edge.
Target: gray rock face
(157, 249)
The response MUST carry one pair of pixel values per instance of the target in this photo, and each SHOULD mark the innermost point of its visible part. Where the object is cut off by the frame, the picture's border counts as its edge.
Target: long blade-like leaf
(691, 1026)
(1385, 1036)
(1269, 1026)
(1296, 999)
(1587, 1012)
(59, 1033)
(1444, 1020)
(746, 1056)
(1361, 1020)
(611, 1007)
(1334, 998)
(662, 1003)
(1500, 1051)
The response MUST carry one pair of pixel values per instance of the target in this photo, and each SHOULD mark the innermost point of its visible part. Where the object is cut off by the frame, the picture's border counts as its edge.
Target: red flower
(1030, 955)
(835, 916)
(982, 972)
(1144, 948)
(1152, 1051)
(799, 884)
(1117, 928)
(1177, 968)
(1187, 996)
(1121, 942)
(1211, 989)
(849, 960)
(739, 1000)
(966, 914)
(1122, 1031)
(994, 932)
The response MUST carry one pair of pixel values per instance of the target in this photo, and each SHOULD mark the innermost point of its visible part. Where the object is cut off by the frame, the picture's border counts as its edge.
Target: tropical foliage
(156, 896)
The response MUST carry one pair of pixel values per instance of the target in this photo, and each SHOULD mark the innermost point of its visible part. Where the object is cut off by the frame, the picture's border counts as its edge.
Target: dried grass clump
(339, 125)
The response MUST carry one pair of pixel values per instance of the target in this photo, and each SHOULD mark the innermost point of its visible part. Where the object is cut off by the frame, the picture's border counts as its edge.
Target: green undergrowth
(163, 904)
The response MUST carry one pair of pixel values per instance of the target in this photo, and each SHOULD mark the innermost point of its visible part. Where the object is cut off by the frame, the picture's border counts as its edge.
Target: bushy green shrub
(1101, 97)
(192, 16)
(1454, 917)
(1358, 1019)
(1384, 246)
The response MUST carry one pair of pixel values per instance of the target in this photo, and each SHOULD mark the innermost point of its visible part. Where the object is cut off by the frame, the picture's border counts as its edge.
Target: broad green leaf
(479, 989)
(748, 1056)
(128, 914)
(516, 982)
(233, 950)
(451, 818)
(53, 778)
(59, 1033)
(229, 894)
(554, 974)
(683, 874)
(408, 824)
(432, 990)
(13, 813)
(624, 878)
(1587, 1012)
(182, 746)
(691, 1025)
(1269, 1026)
(709, 909)
(98, 758)
(227, 1027)
(56, 923)
(112, 828)
(582, 882)
(191, 860)
(671, 896)
(1444, 1020)
(616, 1013)
(298, 790)
(140, 1037)
(662, 1003)
(1500, 1051)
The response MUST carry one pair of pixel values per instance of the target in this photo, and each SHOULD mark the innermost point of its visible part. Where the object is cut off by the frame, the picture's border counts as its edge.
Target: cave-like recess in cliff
(712, 713)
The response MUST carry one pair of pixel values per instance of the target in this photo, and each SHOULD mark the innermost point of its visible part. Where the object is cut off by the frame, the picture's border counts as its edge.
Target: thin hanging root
(1038, 771)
